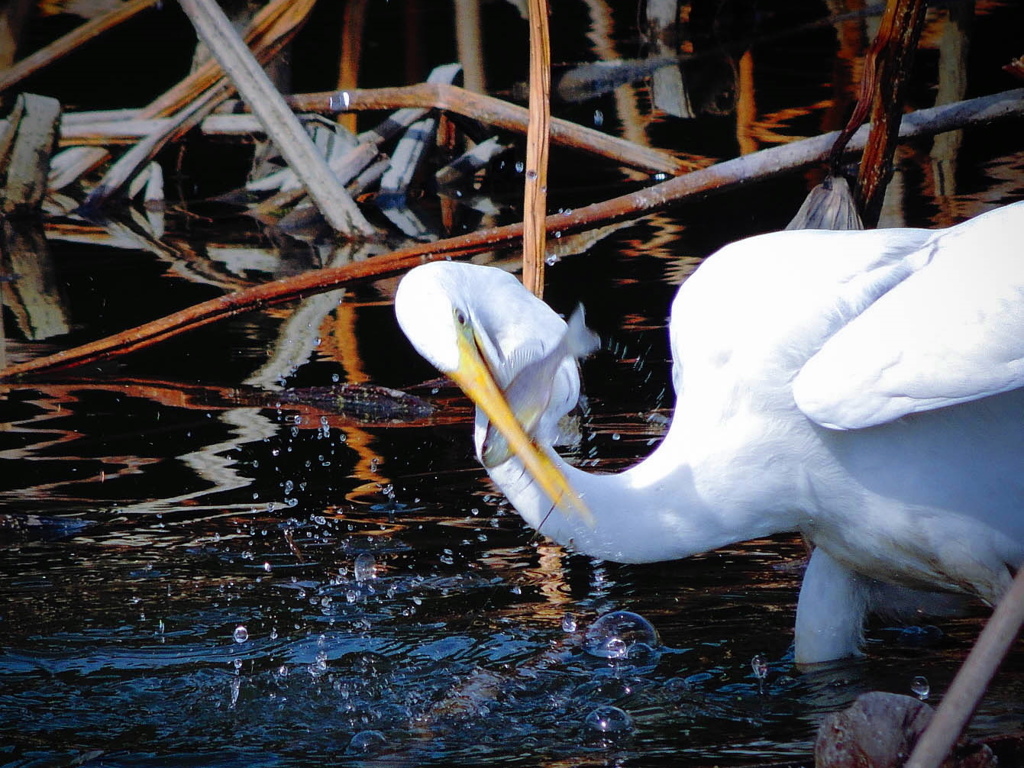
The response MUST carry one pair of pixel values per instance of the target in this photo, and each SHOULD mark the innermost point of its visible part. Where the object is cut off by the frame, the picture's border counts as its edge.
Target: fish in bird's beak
(529, 393)
(474, 376)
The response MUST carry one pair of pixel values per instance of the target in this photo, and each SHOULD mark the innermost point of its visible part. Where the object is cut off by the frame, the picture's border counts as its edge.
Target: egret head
(460, 317)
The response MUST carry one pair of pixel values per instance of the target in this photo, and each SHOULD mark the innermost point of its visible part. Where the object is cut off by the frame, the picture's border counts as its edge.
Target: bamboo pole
(764, 164)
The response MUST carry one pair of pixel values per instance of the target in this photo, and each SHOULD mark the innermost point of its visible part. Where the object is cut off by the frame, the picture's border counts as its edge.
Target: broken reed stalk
(280, 123)
(893, 52)
(69, 42)
(969, 685)
(741, 170)
(132, 161)
(535, 194)
(494, 112)
(275, 21)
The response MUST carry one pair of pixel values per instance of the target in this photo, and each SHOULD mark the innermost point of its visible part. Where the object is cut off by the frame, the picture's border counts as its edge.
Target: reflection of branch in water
(300, 334)
(600, 35)
(246, 425)
(81, 464)
(303, 333)
(554, 586)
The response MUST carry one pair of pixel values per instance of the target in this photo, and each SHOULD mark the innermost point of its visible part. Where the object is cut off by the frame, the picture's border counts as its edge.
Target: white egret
(863, 388)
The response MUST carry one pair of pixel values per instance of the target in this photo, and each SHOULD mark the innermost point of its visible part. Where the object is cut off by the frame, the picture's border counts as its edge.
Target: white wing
(951, 332)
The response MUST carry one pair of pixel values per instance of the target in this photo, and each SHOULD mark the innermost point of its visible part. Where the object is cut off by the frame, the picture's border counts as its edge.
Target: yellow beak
(474, 376)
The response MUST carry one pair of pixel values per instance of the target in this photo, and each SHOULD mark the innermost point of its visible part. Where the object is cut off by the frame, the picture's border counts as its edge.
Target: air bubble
(609, 719)
(619, 635)
(366, 742)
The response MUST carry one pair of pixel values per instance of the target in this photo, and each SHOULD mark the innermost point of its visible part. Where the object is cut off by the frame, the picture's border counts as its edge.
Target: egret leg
(830, 612)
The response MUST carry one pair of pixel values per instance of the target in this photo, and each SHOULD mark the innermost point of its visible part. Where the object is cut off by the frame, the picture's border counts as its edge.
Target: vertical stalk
(894, 53)
(537, 134)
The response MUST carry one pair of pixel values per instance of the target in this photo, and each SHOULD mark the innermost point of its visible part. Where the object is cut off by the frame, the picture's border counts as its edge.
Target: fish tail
(580, 340)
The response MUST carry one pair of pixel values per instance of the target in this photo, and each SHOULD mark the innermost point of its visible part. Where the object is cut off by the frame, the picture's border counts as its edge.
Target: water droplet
(609, 719)
(569, 623)
(759, 665)
(241, 634)
(366, 742)
(365, 567)
(619, 634)
(919, 685)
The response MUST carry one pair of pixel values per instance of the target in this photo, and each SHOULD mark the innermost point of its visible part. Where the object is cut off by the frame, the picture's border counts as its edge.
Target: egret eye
(460, 317)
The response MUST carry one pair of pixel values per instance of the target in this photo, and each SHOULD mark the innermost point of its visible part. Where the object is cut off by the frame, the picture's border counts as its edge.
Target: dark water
(196, 570)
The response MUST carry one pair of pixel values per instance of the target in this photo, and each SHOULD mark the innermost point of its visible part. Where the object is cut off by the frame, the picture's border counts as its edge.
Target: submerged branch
(759, 165)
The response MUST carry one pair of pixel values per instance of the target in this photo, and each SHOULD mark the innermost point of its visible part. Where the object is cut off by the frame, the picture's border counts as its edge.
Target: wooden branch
(895, 45)
(490, 111)
(741, 170)
(487, 110)
(64, 45)
(535, 193)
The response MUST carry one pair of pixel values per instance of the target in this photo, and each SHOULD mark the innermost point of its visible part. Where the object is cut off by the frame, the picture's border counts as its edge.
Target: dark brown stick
(897, 41)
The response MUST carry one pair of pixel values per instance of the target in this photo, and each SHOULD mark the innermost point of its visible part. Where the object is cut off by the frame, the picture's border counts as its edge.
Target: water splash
(920, 687)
